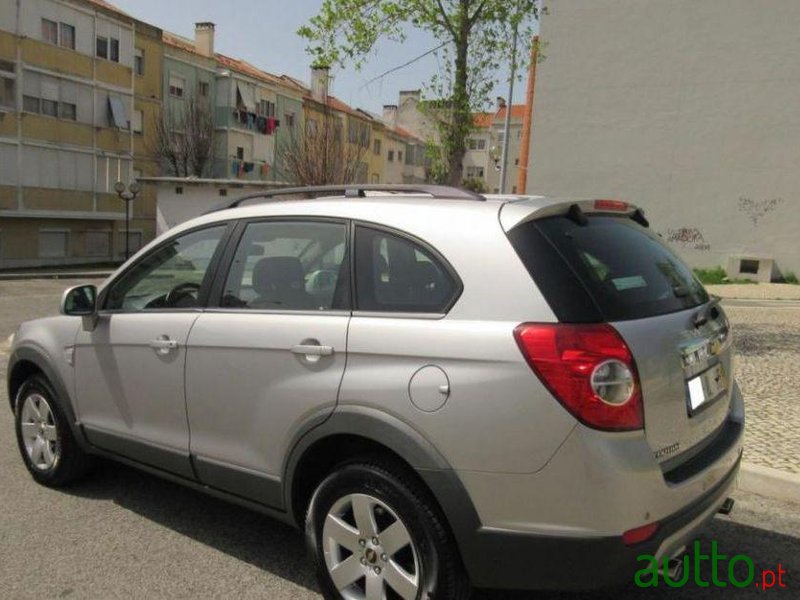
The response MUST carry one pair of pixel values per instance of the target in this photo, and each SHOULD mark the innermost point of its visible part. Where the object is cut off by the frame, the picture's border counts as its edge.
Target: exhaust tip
(675, 565)
(727, 506)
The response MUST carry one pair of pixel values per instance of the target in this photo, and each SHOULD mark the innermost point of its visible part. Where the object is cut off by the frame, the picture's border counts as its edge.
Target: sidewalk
(756, 291)
(766, 330)
(56, 274)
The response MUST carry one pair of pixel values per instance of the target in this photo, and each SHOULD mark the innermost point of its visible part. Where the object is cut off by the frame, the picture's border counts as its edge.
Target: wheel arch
(352, 432)
(26, 362)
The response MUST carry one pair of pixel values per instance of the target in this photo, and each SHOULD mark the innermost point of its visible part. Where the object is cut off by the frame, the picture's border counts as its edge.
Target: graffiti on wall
(756, 209)
(688, 237)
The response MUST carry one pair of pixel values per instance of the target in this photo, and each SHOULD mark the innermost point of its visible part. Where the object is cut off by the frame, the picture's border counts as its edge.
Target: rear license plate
(705, 388)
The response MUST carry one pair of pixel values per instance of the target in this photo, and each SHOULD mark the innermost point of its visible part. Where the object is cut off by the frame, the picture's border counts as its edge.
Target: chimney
(320, 80)
(409, 95)
(204, 38)
(501, 103)
(390, 114)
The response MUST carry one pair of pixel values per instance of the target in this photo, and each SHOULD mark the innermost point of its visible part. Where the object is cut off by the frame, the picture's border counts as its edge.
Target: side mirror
(79, 301)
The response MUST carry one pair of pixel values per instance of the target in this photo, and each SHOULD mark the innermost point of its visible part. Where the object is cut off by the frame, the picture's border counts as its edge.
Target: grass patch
(713, 276)
(790, 277)
(717, 276)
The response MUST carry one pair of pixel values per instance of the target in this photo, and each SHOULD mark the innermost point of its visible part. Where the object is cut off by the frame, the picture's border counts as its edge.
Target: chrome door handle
(164, 345)
(312, 350)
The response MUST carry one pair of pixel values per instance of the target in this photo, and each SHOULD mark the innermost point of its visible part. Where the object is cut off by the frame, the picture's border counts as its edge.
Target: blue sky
(263, 33)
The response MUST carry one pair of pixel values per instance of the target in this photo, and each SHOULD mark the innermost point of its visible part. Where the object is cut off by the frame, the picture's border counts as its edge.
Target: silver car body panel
(247, 392)
(125, 385)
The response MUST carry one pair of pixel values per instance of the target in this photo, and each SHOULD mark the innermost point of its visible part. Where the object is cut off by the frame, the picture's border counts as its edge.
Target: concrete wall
(688, 108)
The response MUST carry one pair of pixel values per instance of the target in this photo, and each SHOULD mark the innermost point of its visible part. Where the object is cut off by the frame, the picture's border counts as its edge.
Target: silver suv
(444, 390)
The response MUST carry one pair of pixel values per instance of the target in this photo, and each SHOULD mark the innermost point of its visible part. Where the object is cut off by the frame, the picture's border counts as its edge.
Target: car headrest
(278, 272)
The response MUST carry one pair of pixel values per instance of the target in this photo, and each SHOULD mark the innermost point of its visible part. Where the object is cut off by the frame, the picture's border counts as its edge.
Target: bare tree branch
(184, 138)
(320, 154)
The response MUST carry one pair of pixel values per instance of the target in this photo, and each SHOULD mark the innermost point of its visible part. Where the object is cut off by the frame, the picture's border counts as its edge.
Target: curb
(772, 483)
(65, 275)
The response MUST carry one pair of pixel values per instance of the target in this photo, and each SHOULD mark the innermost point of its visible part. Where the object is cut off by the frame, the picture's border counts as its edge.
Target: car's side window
(289, 265)
(395, 274)
(171, 276)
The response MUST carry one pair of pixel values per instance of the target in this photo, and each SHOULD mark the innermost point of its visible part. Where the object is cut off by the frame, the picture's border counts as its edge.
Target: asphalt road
(124, 534)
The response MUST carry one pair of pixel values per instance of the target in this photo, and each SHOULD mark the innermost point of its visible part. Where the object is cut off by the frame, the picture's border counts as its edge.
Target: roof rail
(357, 190)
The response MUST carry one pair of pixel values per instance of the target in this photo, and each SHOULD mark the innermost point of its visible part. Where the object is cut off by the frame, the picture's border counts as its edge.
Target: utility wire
(405, 64)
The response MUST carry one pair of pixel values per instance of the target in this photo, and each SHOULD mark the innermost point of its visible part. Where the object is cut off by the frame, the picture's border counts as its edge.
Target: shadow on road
(279, 549)
(236, 531)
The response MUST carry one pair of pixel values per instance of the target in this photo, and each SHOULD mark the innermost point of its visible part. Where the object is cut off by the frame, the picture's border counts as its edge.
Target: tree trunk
(461, 111)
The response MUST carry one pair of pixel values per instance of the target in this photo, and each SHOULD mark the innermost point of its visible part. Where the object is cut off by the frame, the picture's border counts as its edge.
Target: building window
(240, 153)
(68, 111)
(288, 117)
(50, 108)
(472, 144)
(7, 92)
(516, 162)
(118, 116)
(67, 36)
(390, 156)
(265, 108)
(176, 86)
(203, 89)
(113, 54)
(138, 61)
(136, 121)
(474, 172)
(376, 147)
(30, 104)
(481, 144)
(358, 133)
(50, 31)
(102, 47)
(399, 156)
(53, 244)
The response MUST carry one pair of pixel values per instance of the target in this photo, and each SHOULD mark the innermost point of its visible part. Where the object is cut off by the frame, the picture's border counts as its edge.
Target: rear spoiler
(516, 213)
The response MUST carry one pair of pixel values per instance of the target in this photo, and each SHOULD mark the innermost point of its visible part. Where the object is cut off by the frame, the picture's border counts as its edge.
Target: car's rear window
(609, 269)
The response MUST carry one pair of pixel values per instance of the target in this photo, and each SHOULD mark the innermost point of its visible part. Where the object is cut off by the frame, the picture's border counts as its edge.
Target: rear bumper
(512, 560)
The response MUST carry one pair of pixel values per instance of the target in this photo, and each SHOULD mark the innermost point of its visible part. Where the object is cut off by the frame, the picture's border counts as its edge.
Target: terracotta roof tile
(486, 119)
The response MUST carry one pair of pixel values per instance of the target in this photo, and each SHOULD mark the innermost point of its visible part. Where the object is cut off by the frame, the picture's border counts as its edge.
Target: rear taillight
(589, 369)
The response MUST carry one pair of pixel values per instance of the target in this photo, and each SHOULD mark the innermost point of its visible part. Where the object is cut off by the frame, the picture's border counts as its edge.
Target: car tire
(359, 549)
(49, 449)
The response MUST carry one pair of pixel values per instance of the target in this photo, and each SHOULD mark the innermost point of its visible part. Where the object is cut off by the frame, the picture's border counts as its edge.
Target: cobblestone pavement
(767, 340)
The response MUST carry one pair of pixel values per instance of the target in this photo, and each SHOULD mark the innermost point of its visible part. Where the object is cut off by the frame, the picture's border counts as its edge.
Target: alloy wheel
(39, 433)
(368, 550)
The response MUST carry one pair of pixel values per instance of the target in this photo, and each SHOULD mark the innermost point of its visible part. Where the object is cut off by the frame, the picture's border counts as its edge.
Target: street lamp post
(509, 104)
(127, 197)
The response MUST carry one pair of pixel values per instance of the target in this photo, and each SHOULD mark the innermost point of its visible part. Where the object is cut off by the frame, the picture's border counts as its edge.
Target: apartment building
(351, 127)
(148, 61)
(254, 112)
(67, 70)
(485, 148)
